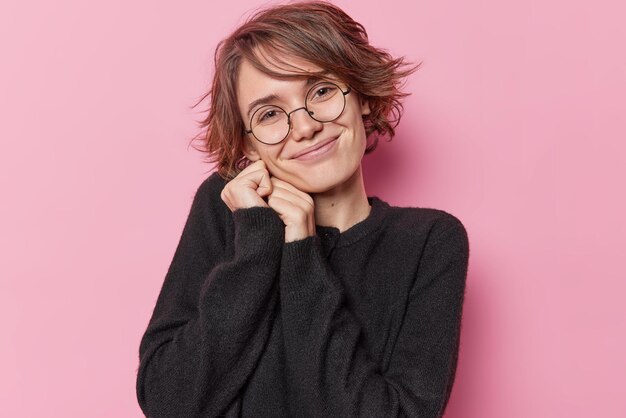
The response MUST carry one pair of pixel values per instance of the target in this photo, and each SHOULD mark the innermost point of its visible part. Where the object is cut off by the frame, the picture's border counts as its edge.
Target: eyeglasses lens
(324, 103)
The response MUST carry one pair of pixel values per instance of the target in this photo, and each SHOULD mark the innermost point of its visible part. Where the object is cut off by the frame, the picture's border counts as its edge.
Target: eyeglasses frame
(345, 93)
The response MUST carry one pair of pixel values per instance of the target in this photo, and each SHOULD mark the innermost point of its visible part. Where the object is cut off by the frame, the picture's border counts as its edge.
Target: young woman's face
(314, 172)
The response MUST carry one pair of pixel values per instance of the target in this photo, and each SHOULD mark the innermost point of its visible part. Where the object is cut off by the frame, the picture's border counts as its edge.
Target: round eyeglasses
(324, 102)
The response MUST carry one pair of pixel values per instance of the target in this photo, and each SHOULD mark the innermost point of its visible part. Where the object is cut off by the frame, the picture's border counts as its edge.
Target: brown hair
(320, 33)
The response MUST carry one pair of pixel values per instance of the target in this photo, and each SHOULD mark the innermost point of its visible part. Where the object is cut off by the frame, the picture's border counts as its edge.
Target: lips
(313, 147)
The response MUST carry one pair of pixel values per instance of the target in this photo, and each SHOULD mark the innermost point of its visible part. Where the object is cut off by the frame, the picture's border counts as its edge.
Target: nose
(303, 126)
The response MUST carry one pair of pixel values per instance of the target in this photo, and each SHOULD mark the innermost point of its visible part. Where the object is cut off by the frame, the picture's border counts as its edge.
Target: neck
(344, 205)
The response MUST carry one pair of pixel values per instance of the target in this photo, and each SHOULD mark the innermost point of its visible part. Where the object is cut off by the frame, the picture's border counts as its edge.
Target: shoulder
(439, 238)
(422, 227)
(211, 187)
(423, 220)
(208, 194)
(208, 211)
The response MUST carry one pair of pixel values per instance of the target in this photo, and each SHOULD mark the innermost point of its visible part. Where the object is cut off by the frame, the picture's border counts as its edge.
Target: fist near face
(254, 186)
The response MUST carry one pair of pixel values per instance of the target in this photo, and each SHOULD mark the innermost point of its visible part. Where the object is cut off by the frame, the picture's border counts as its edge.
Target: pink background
(516, 125)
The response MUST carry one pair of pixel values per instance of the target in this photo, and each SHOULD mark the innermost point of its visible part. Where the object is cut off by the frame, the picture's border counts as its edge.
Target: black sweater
(360, 323)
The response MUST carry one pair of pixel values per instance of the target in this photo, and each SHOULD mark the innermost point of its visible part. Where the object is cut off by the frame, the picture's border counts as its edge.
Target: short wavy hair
(318, 32)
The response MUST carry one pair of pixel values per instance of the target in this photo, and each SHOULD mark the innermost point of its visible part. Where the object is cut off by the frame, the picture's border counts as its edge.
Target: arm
(213, 315)
(330, 371)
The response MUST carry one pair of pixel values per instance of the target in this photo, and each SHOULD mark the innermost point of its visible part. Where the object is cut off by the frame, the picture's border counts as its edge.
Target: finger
(241, 195)
(287, 210)
(296, 198)
(248, 187)
(258, 180)
(288, 186)
(265, 185)
(296, 210)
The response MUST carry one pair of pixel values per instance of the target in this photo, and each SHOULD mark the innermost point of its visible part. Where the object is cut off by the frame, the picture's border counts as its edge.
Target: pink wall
(516, 125)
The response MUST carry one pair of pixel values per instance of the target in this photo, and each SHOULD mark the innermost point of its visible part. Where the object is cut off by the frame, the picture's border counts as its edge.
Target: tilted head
(275, 41)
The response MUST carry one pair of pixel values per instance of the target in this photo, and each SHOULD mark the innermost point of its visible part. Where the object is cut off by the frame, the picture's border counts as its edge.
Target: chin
(319, 178)
(316, 189)
(321, 185)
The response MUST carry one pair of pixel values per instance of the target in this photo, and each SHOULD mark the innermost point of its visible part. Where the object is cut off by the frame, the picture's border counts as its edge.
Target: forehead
(290, 71)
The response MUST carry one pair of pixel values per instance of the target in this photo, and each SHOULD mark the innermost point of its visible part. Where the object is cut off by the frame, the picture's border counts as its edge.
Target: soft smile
(316, 150)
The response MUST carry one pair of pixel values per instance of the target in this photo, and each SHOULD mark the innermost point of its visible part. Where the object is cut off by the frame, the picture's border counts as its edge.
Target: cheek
(271, 160)
(357, 118)
(359, 127)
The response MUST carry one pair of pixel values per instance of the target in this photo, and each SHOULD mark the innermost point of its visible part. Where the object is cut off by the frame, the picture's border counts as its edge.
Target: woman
(292, 292)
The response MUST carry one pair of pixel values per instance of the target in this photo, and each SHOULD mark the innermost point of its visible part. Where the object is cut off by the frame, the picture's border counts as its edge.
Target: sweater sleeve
(330, 373)
(213, 314)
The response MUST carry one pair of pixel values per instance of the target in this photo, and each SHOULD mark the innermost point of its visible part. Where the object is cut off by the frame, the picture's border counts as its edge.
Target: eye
(267, 115)
(326, 90)
(322, 92)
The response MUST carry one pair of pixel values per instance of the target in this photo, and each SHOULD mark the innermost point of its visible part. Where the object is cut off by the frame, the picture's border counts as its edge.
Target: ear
(365, 106)
(249, 150)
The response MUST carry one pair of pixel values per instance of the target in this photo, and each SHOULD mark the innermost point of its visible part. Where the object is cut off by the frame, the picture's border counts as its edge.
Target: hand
(295, 208)
(248, 188)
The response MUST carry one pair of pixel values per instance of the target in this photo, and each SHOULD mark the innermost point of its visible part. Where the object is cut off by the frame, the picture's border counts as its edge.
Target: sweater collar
(332, 237)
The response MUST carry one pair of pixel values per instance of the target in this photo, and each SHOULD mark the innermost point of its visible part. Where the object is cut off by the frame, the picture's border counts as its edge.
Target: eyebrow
(262, 100)
(273, 97)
